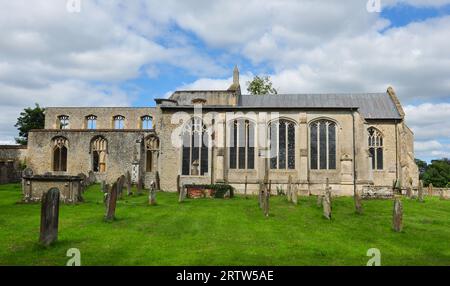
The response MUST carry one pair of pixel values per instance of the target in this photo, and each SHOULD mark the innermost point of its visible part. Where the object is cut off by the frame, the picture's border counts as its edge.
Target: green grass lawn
(225, 232)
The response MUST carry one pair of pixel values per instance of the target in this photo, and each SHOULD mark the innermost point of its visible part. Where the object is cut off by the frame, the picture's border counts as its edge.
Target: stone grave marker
(397, 217)
(430, 189)
(157, 181)
(266, 203)
(129, 183)
(91, 178)
(326, 202)
(111, 202)
(295, 195)
(289, 189)
(358, 202)
(245, 187)
(49, 217)
(140, 186)
(120, 185)
(420, 191)
(182, 195)
(178, 184)
(152, 194)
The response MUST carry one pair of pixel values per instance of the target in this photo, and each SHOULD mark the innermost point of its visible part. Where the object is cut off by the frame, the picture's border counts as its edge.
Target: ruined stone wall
(12, 158)
(124, 147)
(77, 116)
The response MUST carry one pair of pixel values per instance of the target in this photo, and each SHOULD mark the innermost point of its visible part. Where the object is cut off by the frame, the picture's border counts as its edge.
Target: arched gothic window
(99, 150)
(376, 148)
(91, 122)
(242, 144)
(282, 144)
(146, 122)
(63, 121)
(60, 154)
(195, 160)
(119, 122)
(151, 147)
(323, 145)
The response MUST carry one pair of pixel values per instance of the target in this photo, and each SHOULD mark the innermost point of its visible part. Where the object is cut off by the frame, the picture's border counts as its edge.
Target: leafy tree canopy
(30, 118)
(260, 86)
(436, 173)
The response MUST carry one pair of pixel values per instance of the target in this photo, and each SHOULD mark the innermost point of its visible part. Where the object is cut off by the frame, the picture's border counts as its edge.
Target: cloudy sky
(126, 53)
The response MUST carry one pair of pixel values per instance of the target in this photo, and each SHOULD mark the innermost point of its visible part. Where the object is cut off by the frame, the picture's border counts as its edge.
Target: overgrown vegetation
(436, 173)
(260, 86)
(220, 190)
(225, 232)
(30, 118)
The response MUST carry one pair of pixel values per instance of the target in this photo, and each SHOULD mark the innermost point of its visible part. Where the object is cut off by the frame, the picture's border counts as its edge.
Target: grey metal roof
(370, 105)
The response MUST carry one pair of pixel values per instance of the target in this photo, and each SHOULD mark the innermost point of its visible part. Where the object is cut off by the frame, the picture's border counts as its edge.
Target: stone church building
(356, 140)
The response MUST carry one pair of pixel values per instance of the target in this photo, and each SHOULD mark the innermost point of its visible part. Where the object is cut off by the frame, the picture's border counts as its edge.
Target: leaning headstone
(326, 202)
(128, 182)
(420, 191)
(182, 195)
(49, 217)
(111, 203)
(430, 189)
(397, 217)
(358, 202)
(152, 194)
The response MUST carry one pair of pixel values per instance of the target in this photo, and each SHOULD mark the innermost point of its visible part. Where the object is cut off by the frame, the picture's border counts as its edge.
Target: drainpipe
(354, 153)
(396, 151)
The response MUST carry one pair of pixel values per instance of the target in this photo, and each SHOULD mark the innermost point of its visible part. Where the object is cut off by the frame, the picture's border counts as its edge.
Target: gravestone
(128, 182)
(83, 180)
(158, 182)
(326, 202)
(289, 189)
(358, 202)
(27, 172)
(409, 192)
(420, 191)
(105, 187)
(91, 178)
(295, 195)
(319, 200)
(49, 217)
(397, 217)
(260, 196)
(430, 190)
(266, 203)
(120, 185)
(140, 186)
(182, 195)
(111, 202)
(178, 184)
(152, 194)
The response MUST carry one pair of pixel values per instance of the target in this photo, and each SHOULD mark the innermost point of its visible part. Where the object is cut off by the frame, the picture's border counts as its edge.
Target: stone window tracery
(242, 145)
(323, 145)
(60, 145)
(282, 144)
(99, 151)
(195, 160)
(376, 148)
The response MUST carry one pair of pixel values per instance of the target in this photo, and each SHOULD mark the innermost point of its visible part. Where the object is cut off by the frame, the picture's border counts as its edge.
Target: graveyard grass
(225, 232)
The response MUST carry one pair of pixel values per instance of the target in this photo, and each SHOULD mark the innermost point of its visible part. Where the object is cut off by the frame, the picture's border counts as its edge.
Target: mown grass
(225, 232)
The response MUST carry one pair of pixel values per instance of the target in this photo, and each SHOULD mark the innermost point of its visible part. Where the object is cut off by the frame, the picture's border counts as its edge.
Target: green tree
(30, 118)
(261, 86)
(422, 167)
(437, 173)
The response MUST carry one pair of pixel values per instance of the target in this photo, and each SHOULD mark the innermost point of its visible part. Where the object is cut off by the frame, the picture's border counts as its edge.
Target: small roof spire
(236, 85)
